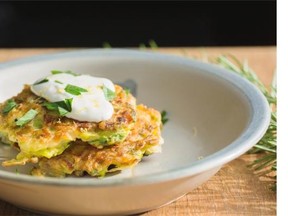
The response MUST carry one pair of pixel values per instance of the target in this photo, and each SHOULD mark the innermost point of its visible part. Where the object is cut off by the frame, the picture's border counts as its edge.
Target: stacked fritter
(61, 146)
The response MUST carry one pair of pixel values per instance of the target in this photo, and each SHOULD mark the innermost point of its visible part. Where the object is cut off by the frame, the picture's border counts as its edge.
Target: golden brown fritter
(49, 134)
(81, 158)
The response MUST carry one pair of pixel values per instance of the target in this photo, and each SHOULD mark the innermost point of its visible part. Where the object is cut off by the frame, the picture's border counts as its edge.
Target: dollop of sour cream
(90, 105)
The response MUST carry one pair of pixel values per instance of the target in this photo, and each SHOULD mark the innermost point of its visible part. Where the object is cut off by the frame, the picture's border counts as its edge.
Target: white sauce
(90, 106)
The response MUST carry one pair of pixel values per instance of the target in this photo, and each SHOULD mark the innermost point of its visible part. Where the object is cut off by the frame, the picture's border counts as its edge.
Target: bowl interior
(206, 112)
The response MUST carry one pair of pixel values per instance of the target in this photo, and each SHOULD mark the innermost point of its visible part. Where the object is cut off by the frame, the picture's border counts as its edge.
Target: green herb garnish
(27, 117)
(164, 118)
(41, 81)
(109, 94)
(67, 72)
(57, 81)
(9, 106)
(62, 107)
(74, 90)
(127, 91)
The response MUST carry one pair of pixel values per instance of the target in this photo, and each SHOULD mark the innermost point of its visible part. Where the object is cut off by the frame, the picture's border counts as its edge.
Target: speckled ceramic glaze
(214, 117)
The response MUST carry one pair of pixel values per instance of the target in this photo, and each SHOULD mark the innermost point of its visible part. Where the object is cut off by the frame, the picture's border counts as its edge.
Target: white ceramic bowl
(215, 116)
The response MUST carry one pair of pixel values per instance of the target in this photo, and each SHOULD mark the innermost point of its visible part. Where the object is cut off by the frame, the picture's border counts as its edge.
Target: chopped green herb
(164, 118)
(41, 81)
(68, 103)
(57, 81)
(109, 94)
(62, 107)
(127, 91)
(67, 72)
(50, 106)
(62, 111)
(74, 90)
(9, 106)
(27, 117)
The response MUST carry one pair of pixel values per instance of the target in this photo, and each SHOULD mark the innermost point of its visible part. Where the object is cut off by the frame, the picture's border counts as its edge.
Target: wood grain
(261, 59)
(235, 189)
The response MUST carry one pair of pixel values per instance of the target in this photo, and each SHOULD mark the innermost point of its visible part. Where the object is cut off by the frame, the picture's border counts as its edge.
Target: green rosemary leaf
(106, 45)
(265, 148)
(153, 44)
(142, 46)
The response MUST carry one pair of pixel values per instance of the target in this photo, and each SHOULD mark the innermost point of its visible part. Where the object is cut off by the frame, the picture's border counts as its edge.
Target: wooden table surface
(235, 189)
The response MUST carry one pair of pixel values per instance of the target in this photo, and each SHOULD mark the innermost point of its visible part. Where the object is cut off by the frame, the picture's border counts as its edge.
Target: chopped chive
(27, 117)
(9, 106)
(74, 90)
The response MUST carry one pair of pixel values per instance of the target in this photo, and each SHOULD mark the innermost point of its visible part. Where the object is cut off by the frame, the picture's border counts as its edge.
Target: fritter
(48, 134)
(81, 158)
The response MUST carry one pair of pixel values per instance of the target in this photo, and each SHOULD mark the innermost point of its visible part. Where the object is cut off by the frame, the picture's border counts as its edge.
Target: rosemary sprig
(151, 45)
(230, 62)
(267, 163)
